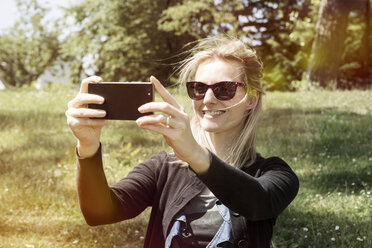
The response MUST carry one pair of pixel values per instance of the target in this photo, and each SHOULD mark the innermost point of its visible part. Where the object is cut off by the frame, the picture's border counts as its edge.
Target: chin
(210, 127)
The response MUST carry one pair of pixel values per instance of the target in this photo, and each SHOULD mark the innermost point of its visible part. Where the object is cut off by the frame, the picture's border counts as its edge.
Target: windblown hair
(242, 152)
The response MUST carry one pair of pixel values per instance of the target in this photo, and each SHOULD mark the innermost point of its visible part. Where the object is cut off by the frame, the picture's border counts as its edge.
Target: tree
(329, 40)
(124, 40)
(340, 51)
(199, 19)
(285, 34)
(28, 48)
(119, 40)
(355, 68)
(265, 25)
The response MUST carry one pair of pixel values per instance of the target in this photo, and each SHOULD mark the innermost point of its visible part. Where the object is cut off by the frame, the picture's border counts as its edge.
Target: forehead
(215, 70)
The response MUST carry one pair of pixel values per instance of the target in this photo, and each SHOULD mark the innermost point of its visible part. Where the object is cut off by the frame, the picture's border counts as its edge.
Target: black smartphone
(122, 99)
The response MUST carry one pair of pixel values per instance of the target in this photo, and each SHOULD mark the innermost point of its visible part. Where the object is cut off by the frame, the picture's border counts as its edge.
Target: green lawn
(325, 136)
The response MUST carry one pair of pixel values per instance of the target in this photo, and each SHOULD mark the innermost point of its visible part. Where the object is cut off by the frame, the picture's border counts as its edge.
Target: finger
(86, 81)
(163, 107)
(85, 122)
(164, 93)
(160, 120)
(158, 129)
(85, 113)
(85, 98)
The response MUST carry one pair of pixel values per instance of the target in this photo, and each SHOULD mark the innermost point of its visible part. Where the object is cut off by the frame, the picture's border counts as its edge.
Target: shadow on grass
(304, 228)
(332, 149)
(38, 150)
(328, 136)
(339, 181)
(324, 129)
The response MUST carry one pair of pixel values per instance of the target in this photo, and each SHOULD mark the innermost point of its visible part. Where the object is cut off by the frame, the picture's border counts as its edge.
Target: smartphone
(122, 99)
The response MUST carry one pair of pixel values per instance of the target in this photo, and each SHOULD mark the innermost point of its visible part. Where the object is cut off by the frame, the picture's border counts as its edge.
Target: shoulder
(275, 174)
(164, 158)
(160, 163)
(262, 165)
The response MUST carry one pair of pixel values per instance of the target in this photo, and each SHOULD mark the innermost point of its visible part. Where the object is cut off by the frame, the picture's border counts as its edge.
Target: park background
(317, 109)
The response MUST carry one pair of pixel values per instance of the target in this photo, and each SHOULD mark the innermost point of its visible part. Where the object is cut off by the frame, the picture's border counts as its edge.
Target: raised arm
(97, 202)
(256, 198)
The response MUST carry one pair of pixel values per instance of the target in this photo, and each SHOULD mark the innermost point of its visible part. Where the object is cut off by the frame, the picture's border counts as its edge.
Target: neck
(219, 143)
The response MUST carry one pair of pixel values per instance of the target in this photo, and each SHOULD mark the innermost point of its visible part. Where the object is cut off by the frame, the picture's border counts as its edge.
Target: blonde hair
(242, 151)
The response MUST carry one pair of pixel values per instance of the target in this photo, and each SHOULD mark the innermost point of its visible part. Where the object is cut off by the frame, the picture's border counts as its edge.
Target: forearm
(98, 203)
(255, 198)
(238, 191)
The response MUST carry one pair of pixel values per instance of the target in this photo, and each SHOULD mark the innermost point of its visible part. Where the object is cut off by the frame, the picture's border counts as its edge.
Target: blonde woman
(215, 190)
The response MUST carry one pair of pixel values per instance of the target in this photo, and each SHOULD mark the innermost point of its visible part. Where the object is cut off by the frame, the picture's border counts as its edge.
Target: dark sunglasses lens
(196, 90)
(225, 90)
(222, 90)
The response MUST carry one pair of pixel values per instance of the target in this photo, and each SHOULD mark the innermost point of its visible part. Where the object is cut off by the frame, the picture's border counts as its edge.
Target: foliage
(324, 136)
(28, 48)
(281, 31)
(341, 56)
(272, 27)
(355, 70)
(131, 40)
(120, 47)
(199, 19)
(288, 52)
(119, 40)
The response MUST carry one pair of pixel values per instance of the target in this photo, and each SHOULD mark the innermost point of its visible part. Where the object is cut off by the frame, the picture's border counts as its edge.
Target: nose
(209, 97)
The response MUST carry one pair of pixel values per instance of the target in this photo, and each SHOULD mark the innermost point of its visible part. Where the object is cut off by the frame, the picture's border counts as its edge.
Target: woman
(215, 190)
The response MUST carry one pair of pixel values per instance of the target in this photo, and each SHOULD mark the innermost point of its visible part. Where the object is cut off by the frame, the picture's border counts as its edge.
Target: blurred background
(317, 110)
(303, 43)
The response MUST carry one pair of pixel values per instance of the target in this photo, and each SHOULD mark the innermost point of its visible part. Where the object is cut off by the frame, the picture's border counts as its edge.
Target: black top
(202, 222)
(259, 192)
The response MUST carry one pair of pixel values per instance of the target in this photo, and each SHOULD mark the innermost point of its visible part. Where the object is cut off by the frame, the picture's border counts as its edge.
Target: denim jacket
(223, 237)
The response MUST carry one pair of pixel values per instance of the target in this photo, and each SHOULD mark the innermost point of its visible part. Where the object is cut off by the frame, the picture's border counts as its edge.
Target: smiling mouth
(212, 113)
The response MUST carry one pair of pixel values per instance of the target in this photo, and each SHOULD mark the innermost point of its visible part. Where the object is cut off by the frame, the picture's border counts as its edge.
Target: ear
(253, 99)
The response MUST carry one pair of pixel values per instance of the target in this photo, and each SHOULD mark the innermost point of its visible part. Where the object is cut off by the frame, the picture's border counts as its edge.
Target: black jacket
(255, 194)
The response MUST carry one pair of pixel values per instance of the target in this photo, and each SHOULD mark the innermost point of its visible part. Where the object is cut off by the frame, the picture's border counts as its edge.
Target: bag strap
(239, 227)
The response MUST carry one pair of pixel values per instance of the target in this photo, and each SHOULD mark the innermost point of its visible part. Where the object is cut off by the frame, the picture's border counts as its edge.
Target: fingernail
(152, 78)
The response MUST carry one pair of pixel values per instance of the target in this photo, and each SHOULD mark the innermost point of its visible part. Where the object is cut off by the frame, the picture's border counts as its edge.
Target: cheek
(196, 106)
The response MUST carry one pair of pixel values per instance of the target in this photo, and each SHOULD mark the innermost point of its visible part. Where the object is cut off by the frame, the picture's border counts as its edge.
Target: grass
(325, 137)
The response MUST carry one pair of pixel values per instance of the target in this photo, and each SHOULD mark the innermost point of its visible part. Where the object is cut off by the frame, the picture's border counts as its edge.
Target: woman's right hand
(86, 130)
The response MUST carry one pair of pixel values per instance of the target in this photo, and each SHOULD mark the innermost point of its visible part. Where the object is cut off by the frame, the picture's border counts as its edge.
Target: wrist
(86, 150)
(200, 162)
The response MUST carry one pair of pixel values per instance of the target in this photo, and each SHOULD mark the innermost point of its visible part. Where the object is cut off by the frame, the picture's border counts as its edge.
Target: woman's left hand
(177, 133)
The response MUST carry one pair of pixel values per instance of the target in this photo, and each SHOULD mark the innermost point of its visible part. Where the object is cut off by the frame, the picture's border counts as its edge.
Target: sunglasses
(223, 91)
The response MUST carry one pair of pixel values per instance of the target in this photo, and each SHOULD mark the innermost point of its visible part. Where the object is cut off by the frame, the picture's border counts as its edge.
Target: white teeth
(210, 112)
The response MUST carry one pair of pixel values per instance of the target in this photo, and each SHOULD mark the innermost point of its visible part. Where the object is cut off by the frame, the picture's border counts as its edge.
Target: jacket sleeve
(256, 198)
(137, 190)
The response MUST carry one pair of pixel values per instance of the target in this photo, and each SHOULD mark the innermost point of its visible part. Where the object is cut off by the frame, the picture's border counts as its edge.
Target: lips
(212, 113)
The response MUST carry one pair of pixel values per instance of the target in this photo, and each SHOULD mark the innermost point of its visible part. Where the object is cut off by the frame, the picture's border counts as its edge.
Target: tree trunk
(328, 45)
(367, 35)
